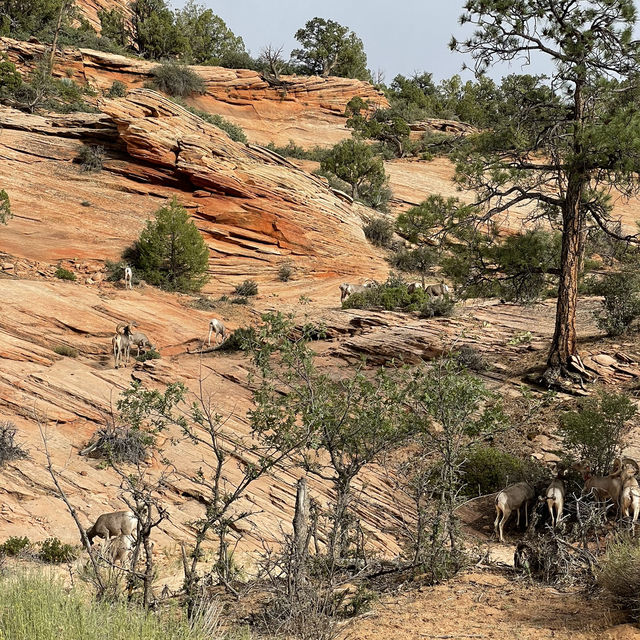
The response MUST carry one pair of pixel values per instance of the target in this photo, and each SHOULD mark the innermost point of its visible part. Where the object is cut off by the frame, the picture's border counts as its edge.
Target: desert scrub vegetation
(14, 546)
(619, 574)
(292, 150)
(247, 288)
(91, 157)
(176, 79)
(54, 551)
(150, 354)
(65, 350)
(9, 448)
(117, 90)
(285, 271)
(38, 605)
(120, 443)
(379, 231)
(621, 303)
(234, 131)
(64, 274)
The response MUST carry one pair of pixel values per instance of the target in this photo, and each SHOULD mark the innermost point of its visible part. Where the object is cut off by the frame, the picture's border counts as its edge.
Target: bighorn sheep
(118, 548)
(510, 499)
(108, 525)
(436, 290)
(140, 340)
(128, 277)
(412, 287)
(555, 497)
(347, 289)
(630, 494)
(603, 487)
(217, 327)
(121, 345)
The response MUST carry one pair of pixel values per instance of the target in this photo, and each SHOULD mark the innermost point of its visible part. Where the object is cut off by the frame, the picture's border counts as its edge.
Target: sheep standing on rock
(128, 277)
(139, 340)
(217, 327)
(347, 289)
(121, 344)
(436, 290)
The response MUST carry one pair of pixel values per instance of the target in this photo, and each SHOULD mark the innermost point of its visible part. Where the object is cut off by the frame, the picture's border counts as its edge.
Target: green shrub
(379, 231)
(487, 470)
(53, 551)
(39, 605)
(292, 150)
(151, 354)
(176, 79)
(437, 306)
(238, 339)
(9, 450)
(598, 430)
(247, 288)
(470, 358)
(65, 274)
(14, 546)
(118, 90)
(240, 300)
(65, 350)
(170, 252)
(389, 296)
(619, 575)
(285, 271)
(91, 157)
(621, 304)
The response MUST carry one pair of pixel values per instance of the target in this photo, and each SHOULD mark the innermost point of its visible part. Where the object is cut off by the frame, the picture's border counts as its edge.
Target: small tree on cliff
(170, 252)
(329, 48)
(5, 207)
(567, 142)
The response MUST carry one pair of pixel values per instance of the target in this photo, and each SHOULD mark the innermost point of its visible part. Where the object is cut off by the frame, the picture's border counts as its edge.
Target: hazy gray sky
(400, 36)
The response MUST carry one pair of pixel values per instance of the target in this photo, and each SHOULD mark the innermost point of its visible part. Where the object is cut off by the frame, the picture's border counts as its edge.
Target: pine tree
(170, 252)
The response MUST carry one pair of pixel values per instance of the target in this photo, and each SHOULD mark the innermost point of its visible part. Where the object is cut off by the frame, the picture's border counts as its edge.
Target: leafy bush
(170, 252)
(120, 444)
(53, 551)
(234, 131)
(176, 79)
(247, 288)
(379, 231)
(9, 450)
(117, 90)
(598, 431)
(239, 339)
(437, 306)
(150, 354)
(38, 605)
(14, 545)
(65, 350)
(389, 296)
(487, 470)
(619, 574)
(65, 274)
(91, 157)
(285, 272)
(621, 304)
(240, 300)
(5, 207)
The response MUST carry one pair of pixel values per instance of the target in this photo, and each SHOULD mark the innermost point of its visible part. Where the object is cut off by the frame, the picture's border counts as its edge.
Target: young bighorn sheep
(121, 345)
(511, 499)
(436, 290)
(108, 525)
(412, 287)
(118, 548)
(128, 277)
(555, 497)
(140, 340)
(602, 487)
(217, 327)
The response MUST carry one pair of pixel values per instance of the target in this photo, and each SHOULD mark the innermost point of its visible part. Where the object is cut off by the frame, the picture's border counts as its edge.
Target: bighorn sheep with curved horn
(121, 344)
(627, 471)
(511, 499)
(603, 487)
(347, 289)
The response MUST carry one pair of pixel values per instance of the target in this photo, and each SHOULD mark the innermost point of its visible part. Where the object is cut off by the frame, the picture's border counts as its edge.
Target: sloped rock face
(308, 110)
(91, 8)
(254, 208)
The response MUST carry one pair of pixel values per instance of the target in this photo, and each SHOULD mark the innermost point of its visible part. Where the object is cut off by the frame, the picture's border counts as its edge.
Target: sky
(400, 36)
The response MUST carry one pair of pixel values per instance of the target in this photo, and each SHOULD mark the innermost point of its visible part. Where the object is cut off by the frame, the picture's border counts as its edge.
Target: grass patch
(40, 606)
(64, 274)
(234, 131)
(65, 350)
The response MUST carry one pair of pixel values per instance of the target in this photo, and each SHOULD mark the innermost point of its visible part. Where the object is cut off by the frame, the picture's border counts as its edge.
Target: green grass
(38, 605)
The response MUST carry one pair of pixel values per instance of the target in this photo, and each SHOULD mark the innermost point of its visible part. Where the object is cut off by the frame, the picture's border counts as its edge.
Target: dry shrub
(9, 449)
(619, 575)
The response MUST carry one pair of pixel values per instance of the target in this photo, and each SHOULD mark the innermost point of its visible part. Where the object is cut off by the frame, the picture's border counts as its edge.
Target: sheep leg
(526, 515)
(505, 516)
(551, 511)
(518, 520)
(209, 339)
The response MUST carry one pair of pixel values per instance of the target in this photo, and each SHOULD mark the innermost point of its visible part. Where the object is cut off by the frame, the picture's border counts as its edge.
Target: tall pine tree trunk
(564, 345)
